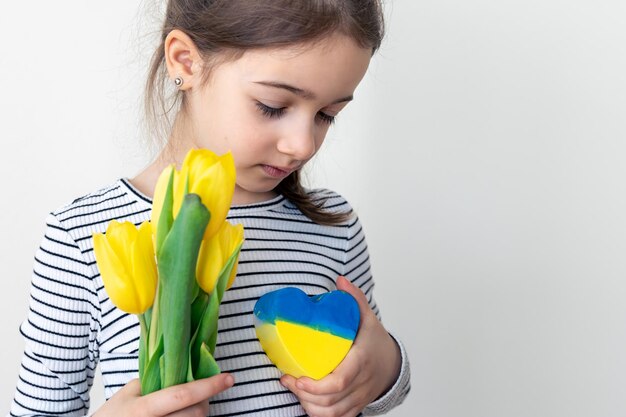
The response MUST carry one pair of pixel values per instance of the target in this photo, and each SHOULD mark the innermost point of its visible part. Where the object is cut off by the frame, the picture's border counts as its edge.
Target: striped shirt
(72, 325)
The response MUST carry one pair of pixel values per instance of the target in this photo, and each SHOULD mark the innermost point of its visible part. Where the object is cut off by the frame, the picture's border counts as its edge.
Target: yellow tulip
(125, 257)
(210, 176)
(214, 253)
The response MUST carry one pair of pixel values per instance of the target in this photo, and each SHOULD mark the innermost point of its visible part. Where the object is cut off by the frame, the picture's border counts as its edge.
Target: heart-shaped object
(306, 336)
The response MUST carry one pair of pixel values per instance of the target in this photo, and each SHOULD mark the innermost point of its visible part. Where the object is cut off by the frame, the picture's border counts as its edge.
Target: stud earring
(178, 81)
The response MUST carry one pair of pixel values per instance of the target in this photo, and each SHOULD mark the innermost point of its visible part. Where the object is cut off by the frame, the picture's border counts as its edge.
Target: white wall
(484, 153)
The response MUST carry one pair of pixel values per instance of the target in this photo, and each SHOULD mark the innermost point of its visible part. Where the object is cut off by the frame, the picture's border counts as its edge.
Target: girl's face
(272, 109)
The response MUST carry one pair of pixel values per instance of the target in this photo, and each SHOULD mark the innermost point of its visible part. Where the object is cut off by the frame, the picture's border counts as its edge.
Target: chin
(258, 188)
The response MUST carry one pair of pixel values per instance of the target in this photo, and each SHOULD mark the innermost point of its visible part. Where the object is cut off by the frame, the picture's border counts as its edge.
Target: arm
(374, 377)
(61, 350)
(60, 331)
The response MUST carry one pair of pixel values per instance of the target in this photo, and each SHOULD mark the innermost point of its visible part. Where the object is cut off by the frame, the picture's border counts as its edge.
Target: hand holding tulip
(370, 368)
(188, 399)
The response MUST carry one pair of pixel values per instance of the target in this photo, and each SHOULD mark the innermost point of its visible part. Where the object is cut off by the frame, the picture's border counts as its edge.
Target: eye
(329, 120)
(270, 112)
(276, 113)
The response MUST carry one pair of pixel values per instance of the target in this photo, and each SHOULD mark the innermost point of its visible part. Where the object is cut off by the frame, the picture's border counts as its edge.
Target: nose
(299, 143)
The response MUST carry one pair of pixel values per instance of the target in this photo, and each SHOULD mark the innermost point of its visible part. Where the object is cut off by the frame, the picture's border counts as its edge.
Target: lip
(277, 172)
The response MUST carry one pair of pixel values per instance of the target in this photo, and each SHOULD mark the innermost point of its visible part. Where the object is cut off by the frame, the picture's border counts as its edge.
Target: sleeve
(60, 330)
(357, 269)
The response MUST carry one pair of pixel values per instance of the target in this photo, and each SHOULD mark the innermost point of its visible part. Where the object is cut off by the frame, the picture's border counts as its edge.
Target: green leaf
(191, 365)
(207, 366)
(212, 341)
(177, 272)
(222, 281)
(208, 326)
(207, 329)
(151, 378)
(162, 369)
(154, 328)
(167, 215)
(197, 309)
(196, 289)
(148, 317)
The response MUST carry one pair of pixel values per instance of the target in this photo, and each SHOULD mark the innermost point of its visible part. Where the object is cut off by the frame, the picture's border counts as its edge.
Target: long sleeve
(60, 330)
(72, 325)
(357, 269)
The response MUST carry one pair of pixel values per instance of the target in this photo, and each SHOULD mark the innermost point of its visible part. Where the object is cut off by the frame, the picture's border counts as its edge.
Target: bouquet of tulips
(173, 270)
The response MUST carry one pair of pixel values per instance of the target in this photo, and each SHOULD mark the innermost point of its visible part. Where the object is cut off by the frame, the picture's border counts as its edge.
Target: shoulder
(91, 213)
(95, 197)
(330, 200)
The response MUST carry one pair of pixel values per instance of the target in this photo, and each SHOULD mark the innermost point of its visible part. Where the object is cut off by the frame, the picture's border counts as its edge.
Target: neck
(173, 152)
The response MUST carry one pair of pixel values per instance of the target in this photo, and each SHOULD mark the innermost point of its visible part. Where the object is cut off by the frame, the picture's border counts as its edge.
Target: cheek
(251, 141)
(319, 138)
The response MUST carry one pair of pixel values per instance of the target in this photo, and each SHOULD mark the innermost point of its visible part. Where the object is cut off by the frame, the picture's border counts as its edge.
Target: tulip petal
(115, 276)
(215, 187)
(204, 173)
(232, 249)
(126, 262)
(180, 180)
(215, 253)
(198, 160)
(144, 266)
(210, 261)
(233, 272)
(226, 273)
(120, 237)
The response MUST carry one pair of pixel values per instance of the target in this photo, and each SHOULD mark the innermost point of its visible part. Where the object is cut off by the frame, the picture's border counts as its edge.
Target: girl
(263, 79)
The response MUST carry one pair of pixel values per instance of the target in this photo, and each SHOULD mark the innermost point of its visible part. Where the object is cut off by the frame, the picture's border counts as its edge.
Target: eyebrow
(306, 94)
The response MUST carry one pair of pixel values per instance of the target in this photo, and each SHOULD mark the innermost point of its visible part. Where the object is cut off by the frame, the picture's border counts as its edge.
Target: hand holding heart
(370, 368)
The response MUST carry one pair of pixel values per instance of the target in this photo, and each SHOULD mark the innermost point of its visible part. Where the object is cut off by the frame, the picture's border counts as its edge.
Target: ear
(182, 58)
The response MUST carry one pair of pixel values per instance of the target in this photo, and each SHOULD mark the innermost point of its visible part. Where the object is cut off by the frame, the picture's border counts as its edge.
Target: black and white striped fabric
(72, 325)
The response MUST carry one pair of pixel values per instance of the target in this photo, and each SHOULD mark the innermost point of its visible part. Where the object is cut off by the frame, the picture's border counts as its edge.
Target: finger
(345, 408)
(289, 382)
(179, 397)
(132, 388)
(354, 411)
(344, 284)
(336, 382)
(342, 377)
(200, 409)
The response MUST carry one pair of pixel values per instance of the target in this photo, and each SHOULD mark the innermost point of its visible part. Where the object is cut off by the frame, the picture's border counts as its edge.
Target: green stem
(144, 355)
(155, 328)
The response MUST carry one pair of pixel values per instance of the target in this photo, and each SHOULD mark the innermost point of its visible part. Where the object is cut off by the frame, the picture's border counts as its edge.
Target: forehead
(334, 65)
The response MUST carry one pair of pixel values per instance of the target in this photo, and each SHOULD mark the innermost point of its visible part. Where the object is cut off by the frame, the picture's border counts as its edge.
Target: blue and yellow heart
(306, 336)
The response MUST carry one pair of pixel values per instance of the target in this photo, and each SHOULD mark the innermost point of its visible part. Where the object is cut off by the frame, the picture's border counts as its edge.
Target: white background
(484, 153)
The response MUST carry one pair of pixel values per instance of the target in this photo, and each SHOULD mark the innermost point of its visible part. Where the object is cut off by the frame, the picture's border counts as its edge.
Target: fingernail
(229, 380)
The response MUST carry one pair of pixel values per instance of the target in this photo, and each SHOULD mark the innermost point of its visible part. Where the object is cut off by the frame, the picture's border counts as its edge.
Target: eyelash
(274, 113)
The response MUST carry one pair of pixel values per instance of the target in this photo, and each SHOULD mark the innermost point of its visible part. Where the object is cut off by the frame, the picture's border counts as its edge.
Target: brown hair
(223, 30)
